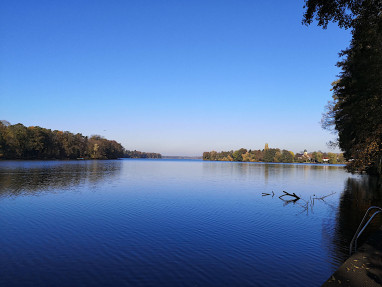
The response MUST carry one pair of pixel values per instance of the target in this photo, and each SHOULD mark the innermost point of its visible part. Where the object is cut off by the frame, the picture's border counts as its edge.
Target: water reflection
(178, 223)
(358, 195)
(31, 178)
(321, 187)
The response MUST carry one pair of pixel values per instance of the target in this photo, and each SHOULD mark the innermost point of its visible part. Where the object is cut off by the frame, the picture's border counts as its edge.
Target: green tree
(317, 156)
(356, 110)
(286, 156)
(206, 155)
(20, 142)
(238, 154)
(332, 158)
(341, 11)
(270, 154)
(2, 139)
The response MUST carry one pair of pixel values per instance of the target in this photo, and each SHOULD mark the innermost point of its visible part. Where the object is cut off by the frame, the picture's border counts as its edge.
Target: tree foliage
(286, 156)
(140, 154)
(272, 155)
(21, 142)
(238, 154)
(324, 11)
(358, 96)
(355, 112)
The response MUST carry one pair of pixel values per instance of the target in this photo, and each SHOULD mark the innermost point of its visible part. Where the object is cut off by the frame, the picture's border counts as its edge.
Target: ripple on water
(170, 223)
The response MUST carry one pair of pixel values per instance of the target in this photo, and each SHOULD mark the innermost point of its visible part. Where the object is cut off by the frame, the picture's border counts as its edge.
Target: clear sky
(176, 77)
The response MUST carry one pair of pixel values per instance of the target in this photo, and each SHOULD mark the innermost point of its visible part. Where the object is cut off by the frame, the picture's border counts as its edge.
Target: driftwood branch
(307, 206)
(290, 194)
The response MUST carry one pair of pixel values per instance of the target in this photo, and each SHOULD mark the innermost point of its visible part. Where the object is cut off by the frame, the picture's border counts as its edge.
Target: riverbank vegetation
(274, 155)
(21, 142)
(355, 112)
(140, 154)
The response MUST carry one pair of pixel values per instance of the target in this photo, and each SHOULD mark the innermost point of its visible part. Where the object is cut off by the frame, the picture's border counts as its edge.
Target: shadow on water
(358, 195)
(19, 178)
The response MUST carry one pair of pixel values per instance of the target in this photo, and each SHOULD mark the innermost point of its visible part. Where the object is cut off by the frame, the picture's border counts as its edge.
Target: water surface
(175, 223)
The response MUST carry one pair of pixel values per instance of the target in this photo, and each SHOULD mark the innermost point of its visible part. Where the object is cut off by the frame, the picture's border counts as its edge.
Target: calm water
(175, 223)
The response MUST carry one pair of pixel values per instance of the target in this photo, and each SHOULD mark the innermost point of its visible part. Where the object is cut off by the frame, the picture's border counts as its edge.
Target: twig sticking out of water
(323, 197)
(265, 194)
(290, 194)
(308, 205)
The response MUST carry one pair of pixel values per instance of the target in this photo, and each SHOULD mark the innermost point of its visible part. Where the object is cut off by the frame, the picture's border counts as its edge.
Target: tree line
(140, 154)
(21, 142)
(274, 155)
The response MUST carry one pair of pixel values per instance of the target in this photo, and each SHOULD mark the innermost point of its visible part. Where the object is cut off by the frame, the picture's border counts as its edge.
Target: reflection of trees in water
(359, 194)
(23, 178)
(268, 170)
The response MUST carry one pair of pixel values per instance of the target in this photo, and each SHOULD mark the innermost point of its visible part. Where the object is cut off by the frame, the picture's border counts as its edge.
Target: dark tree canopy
(324, 11)
(140, 154)
(355, 112)
(358, 96)
(21, 142)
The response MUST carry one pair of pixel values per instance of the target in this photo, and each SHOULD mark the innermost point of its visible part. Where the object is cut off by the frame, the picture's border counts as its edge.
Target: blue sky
(175, 77)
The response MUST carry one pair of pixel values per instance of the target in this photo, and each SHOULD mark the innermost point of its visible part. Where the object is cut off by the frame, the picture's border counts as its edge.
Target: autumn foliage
(21, 142)
(274, 155)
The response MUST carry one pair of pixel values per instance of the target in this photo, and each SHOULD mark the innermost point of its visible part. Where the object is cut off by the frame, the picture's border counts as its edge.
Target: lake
(176, 222)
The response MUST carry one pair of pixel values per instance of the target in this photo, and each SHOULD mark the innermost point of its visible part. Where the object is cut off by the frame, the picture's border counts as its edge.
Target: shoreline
(363, 268)
(302, 163)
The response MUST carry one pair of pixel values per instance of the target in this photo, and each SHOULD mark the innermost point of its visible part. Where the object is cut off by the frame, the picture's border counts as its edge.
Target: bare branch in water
(323, 197)
(290, 194)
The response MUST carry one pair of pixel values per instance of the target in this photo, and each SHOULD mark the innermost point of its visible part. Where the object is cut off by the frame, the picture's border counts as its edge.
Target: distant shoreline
(265, 162)
(181, 157)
